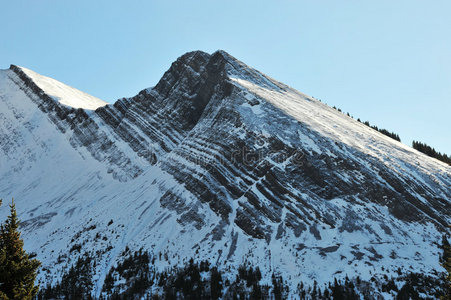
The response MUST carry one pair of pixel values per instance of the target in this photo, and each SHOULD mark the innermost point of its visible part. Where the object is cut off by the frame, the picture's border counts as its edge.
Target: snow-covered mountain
(217, 162)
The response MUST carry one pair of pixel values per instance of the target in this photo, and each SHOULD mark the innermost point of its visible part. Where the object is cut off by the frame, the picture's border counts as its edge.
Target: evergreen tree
(428, 150)
(215, 284)
(337, 291)
(446, 263)
(17, 271)
(277, 284)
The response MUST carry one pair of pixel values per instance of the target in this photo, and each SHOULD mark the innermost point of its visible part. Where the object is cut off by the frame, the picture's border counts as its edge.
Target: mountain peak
(218, 161)
(58, 91)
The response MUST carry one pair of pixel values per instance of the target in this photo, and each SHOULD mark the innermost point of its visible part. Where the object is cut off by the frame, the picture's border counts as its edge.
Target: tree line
(422, 147)
(136, 277)
(386, 132)
(428, 150)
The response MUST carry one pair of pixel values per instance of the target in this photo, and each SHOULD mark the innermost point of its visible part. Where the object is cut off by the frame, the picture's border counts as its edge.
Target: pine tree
(428, 150)
(17, 271)
(215, 284)
(446, 263)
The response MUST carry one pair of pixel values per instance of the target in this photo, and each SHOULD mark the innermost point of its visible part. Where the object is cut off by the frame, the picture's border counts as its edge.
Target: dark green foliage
(75, 284)
(215, 283)
(381, 130)
(344, 291)
(250, 275)
(417, 283)
(278, 287)
(247, 284)
(188, 282)
(17, 270)
(76, 247)
(428, 150)
(388, 133)
(389, 286)
(445, 260)
(108, 284)
(256, 292)
(408, 291)
(137, 273)
(193, 281)
(384, 131)
(135, 277)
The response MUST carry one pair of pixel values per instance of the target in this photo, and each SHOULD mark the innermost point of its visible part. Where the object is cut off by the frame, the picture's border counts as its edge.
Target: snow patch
(63, 93)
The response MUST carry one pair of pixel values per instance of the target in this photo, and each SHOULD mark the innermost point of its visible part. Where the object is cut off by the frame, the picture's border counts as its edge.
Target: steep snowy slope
(218, 162)
(62, 93)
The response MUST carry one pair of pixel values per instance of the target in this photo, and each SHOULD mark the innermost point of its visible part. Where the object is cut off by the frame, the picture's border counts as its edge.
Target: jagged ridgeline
(221, 164)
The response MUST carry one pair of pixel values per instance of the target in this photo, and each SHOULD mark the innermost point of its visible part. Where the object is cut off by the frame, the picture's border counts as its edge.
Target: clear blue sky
(388, 62)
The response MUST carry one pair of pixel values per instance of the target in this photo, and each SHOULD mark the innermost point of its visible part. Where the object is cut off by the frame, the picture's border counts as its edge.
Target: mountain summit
(60, 92)
(219, 162)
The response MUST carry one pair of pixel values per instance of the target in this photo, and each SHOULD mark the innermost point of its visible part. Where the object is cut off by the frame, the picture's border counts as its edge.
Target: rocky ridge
(218, 161)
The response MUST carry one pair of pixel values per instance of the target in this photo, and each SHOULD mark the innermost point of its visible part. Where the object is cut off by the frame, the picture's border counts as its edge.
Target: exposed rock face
(83, 130)
(218, 156)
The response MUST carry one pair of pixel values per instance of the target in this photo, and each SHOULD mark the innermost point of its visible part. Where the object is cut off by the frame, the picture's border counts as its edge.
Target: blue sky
(387, 62)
